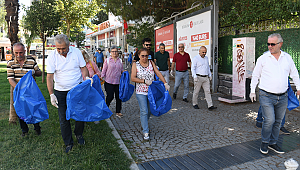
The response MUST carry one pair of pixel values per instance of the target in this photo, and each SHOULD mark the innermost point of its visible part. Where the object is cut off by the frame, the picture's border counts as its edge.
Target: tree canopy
(100, 17)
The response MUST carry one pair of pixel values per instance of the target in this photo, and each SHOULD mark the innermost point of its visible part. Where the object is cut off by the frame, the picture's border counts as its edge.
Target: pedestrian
(126, 56)
(162, 60)
(16, 69)
(67, 68)
(272, 70)
(135, 50)
(130, 58)
(112, 71)
(259, 121)
(202, 77)
(108, 53)
(181, 59)
(99, 57)
(90, 65)
(146, 44)
(143, 74)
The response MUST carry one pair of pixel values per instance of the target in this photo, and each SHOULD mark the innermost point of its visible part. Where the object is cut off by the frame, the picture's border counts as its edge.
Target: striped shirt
(15, 71)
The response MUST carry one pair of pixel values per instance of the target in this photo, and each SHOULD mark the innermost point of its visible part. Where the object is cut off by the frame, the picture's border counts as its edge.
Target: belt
(276, 94)
(181, 71)
(201, 75)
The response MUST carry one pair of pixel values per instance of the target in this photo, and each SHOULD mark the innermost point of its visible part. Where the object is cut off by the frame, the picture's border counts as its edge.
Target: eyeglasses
(272, 44)
(181, 47)
(148, 44)
(144, 56)
(114, 51)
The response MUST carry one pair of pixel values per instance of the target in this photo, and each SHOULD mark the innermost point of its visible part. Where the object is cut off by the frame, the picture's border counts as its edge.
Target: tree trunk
(68, 29)
(12, 10)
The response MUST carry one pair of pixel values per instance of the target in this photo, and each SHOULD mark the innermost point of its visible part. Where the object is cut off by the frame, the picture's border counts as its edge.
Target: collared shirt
(99, 57)
(15, 71)
(273, 73)
(162, 60)
(181, 61)
(67, 72)
(200, 66)
(112, 71)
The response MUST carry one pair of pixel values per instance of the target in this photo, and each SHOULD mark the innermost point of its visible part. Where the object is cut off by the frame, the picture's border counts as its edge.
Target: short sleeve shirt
(162, 60)
(67, 72)
(181, 61)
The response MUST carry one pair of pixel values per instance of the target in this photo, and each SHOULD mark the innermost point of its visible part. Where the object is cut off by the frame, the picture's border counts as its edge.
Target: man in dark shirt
(146, 44)
(162, 60)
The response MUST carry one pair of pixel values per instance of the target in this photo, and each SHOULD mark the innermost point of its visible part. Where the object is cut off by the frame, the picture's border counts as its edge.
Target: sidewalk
(184, 130)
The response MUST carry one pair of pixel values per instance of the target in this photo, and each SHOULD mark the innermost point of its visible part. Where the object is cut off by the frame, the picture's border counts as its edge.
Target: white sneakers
(146, 136)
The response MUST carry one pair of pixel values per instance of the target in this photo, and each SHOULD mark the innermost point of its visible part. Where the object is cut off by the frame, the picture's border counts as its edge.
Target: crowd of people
(68, 66)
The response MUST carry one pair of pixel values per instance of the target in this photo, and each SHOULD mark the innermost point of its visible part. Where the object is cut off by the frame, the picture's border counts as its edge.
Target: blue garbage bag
(86, 104)
(125, 88)
(293, 102)
(130, 58)
(97, 85)
(29, 102)
(159, 99)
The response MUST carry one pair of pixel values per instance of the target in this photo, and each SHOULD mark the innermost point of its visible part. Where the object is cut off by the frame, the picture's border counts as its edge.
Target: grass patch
(46, 151)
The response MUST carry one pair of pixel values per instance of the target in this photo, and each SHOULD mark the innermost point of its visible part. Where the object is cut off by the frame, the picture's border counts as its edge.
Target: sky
(21, 11)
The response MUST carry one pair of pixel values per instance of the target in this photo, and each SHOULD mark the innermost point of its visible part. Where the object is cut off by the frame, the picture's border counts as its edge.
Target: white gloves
(210, 78)
(167, 86)
(252, 97)
(148, 82)
(172, 73)
(88, 78)
(54, 101)
(33, 71)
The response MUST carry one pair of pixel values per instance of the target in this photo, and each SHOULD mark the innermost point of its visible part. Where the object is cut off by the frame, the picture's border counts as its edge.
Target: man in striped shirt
(16, 69)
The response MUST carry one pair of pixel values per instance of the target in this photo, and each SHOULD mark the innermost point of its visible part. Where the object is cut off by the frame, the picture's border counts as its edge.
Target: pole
(215, 45)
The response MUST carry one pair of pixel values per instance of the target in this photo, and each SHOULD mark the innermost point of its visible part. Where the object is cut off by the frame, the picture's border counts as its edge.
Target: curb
(133, 165)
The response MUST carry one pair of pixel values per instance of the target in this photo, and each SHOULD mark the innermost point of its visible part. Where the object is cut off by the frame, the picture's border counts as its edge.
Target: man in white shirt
(273, 69)
(108, 53)
(126, 55)
(202, 76)
(66, 67)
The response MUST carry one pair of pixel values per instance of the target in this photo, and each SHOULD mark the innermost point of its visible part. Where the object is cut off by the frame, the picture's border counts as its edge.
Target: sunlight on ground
(252, 114)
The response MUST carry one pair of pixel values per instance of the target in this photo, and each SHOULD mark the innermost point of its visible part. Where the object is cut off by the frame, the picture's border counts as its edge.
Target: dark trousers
(24, 126)
(112, 89)
(65, 126)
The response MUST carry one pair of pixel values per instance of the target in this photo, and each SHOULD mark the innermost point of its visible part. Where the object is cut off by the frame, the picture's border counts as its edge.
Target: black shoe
(276, 148)
(69, 148)
(259, 124)
(80, 140)
(285, 131)
(38, 132)
(174, 95)
(196, 107)
(212, 108)
(24, 134)
(185, 100)
(264, 148)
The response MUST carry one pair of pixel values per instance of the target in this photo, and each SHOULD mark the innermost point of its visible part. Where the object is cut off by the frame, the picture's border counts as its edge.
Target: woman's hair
(86, 56)
(143, 49)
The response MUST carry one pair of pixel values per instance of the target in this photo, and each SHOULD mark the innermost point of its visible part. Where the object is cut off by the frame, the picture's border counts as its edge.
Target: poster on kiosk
(165, 35)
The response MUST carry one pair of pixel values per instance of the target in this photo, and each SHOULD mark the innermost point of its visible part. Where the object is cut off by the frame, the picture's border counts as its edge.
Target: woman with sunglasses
(112, 71)
(143, 74)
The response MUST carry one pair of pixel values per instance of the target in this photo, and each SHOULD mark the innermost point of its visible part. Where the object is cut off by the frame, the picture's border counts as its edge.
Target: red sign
(200, 37)
(165, 35)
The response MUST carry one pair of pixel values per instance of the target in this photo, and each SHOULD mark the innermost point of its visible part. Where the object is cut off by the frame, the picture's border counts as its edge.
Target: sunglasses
(148, 44)
(144, 56)
(181, 47)
(272, 44)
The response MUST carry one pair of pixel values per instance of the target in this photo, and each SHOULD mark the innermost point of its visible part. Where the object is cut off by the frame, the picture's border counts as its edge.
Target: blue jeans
(185, 77)
(273, 110)
(260, 119)
(144, 111)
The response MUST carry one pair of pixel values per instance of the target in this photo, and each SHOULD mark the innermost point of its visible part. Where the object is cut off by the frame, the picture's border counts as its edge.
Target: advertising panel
(165, 35)
(195, 32)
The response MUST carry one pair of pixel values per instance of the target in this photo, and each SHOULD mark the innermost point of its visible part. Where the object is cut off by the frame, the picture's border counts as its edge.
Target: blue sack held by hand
(97, 85)
(86, 104)
(125, 89)
(293, 102)
(159, 99)
(29, 102)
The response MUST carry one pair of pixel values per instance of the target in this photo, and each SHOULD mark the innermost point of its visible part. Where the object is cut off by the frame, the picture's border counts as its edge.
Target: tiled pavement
(184, 130)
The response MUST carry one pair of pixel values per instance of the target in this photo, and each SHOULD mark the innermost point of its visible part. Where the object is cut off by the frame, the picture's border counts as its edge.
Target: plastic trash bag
(130, 58)
(29, 102)
(97, 85)
(86, 104)
(159, 99)
(293, 102)
(125, 88)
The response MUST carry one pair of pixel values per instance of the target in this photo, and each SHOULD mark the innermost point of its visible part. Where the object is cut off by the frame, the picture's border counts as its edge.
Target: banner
(195, 32)
(165, 35)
